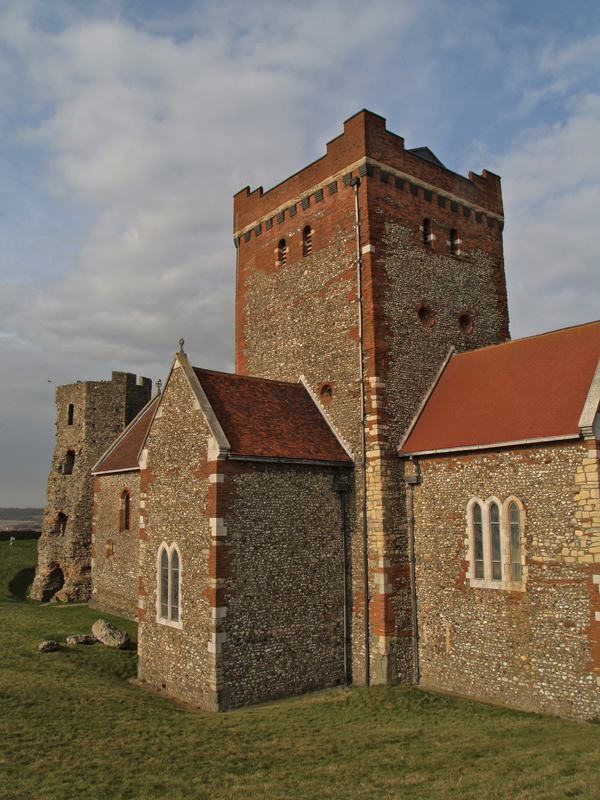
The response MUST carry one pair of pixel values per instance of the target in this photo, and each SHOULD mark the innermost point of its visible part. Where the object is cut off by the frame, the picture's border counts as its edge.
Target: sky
(126, 126)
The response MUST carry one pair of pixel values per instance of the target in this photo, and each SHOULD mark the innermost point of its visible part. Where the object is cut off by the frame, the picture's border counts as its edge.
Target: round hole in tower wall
(426, 314)
(465, 322)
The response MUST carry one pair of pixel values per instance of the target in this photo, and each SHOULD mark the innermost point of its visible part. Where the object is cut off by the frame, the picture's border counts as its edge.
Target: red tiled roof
(125, 454)
(272, 419)
(531, 388)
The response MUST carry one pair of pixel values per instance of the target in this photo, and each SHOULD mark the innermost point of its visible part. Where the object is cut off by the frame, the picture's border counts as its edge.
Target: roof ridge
(248, 377)
(527, 338)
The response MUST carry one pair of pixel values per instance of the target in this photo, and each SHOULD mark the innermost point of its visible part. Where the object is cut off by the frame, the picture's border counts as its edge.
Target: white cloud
(551, 186)
(125, 137)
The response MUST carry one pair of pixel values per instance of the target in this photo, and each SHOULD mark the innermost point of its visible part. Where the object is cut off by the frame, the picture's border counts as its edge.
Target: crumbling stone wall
(115, 550)
(90, 415)
(535, 648)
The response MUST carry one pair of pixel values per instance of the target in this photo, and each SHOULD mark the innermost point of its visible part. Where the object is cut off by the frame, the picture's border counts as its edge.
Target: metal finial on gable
(158, 385)
(180, 351)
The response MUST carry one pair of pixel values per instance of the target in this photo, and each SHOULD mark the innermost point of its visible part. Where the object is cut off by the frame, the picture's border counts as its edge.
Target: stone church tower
(430, 277)
(90, 416)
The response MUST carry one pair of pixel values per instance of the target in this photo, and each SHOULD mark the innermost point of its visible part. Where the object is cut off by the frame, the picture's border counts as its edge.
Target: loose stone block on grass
(110, 635)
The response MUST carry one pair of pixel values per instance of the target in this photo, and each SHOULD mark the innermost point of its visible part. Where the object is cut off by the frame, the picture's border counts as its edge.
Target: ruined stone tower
(90, 415)
(432, 273)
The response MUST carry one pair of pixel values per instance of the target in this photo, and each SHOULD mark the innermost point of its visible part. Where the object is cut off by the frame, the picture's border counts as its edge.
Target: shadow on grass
(21, 583)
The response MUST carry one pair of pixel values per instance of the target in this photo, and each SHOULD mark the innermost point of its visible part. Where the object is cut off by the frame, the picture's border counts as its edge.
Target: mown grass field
(71, 726)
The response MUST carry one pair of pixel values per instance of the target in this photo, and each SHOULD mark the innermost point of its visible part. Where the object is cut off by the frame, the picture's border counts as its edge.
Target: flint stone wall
(115, 552)
(261, 568)
(173, 490)
(536, 649)
(283, 624)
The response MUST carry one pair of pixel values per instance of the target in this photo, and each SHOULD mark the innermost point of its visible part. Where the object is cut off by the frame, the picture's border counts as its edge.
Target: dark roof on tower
(124, 453)
(529, 389)
(269, 419)
(427, 154)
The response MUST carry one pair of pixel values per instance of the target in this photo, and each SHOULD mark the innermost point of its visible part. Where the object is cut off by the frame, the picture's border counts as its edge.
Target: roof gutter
(285, 460)
(489, 446)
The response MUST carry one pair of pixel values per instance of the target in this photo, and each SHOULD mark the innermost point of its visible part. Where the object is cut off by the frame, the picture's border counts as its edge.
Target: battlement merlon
(130, 380)
(365, 136)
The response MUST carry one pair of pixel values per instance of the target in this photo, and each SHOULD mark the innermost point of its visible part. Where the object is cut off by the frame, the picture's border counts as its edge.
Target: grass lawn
(72, 726)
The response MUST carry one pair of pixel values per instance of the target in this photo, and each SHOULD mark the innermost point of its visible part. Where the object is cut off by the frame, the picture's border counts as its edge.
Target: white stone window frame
(164, 547)
(487, 582)
(516, 586)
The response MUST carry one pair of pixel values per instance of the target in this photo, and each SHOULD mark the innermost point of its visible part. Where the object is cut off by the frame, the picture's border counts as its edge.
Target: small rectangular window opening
(69, 462)
(70, 414)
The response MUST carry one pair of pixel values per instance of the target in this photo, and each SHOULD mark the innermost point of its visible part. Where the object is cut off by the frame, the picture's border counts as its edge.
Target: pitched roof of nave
(124, 453)
(269, 419)
(528, 389)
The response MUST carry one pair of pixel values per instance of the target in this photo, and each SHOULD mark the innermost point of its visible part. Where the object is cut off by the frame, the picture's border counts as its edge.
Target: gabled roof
(528, 389)
(269, 419)
(124, 454)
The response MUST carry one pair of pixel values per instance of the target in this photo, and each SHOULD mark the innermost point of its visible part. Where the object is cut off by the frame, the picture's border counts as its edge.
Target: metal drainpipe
(411, 482)
(237, 287)
(342, 487)
(355, 182)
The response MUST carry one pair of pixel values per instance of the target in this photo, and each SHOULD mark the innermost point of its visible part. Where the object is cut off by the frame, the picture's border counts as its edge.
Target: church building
(387, 489)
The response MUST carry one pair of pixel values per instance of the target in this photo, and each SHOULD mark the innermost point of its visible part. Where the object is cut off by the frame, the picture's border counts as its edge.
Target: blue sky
(126, 127)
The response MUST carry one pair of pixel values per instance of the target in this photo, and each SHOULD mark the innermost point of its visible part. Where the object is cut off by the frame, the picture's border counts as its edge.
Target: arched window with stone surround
(478, 541)
(514, 522)
(125, 511)
(164, 584)
(495, 548)
(495, 543)
(174, 586)
(168, 590)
